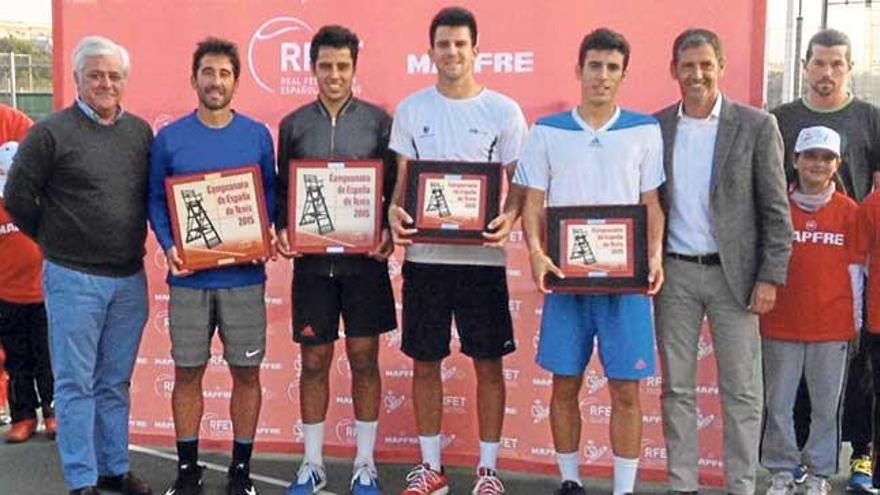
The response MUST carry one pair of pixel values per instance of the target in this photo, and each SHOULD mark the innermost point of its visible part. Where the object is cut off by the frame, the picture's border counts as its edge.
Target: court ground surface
(32, 469)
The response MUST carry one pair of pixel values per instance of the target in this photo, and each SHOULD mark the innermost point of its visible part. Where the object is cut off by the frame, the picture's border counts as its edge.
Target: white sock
(625, 474)
(488, 454)
(431, 451)
(365, 432)
(314, 440)
(568, 466)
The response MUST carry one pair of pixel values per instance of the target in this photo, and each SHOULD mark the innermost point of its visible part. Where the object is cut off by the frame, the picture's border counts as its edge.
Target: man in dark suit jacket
(727, 249)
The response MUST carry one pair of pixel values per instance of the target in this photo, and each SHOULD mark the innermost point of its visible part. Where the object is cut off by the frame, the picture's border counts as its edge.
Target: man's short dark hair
(454, 17)
(696, 37)
(335, 36)
(216, 46)
(604, 39)
(829, 38)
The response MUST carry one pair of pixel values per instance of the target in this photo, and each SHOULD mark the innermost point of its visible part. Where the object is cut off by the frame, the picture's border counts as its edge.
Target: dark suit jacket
(748, 201)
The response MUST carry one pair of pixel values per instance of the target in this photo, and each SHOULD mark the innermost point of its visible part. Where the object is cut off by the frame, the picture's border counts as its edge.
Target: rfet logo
(298, 433)
(163, 385)
(160, 321)
(278, 57)
(213, 426)
(345, 433)
(298, 366)
(342, 366)
(159, 259)
(651, 451)
(293, 391)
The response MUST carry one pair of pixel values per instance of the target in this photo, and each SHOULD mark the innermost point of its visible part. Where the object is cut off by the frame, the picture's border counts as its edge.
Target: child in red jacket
(816, 315)
(23, 326)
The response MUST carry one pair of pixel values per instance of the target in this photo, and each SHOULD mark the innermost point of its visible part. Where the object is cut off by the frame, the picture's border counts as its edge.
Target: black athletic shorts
(475, 295)
(364, 300)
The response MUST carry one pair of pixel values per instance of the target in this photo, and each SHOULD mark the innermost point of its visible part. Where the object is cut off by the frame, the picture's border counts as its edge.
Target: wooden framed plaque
(600, 249)
(219, 218)
(335, 207)
(452, 202)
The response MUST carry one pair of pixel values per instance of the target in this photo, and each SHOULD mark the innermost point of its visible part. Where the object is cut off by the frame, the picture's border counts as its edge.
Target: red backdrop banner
(528, 50)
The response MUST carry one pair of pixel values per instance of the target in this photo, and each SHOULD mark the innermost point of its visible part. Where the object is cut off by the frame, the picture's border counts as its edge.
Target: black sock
(241, 453)
(187, 452)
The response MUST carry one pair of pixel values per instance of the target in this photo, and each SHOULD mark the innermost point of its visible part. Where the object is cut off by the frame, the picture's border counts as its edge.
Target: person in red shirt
(817, 313)
(869, 244)
(23, 325)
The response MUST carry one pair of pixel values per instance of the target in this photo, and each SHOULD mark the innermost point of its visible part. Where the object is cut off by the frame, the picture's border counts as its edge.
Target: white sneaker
(782, 483)
(816, 485)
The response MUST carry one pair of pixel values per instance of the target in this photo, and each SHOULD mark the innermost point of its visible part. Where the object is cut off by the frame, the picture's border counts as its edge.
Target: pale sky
(855, 20)
(30, 11)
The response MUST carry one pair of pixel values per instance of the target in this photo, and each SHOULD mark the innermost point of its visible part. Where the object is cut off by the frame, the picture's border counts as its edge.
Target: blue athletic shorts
(622, 323)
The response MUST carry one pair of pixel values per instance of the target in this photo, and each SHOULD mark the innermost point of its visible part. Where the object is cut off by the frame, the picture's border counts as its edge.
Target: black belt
(700, 259)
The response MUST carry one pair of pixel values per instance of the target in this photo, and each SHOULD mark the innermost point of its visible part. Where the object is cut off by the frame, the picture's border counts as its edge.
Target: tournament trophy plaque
(335, 207)
(218, 218)
(600, 249)
(452, 202)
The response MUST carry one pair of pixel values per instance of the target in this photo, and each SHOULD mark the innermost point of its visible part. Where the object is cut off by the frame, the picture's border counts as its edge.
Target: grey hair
(696, 37)
(93, 46)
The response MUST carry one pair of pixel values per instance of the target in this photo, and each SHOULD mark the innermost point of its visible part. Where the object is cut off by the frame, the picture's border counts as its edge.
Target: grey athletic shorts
(239, 313)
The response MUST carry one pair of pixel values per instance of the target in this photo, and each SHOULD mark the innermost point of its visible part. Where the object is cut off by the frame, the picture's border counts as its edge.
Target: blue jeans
(95, 327)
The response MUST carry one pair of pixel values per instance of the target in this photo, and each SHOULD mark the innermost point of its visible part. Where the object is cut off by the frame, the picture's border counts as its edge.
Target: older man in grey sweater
(78, 187)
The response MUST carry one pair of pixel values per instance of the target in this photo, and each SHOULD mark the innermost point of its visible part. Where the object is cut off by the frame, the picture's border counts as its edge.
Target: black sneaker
(571, 488)
(188, 482)
(239, 481)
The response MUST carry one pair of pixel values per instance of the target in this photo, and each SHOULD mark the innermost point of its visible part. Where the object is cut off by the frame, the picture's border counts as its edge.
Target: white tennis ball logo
(285, 40)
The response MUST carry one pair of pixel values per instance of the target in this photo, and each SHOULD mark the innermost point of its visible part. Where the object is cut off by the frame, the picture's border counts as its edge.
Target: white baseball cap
(7, 152)
(818, 137)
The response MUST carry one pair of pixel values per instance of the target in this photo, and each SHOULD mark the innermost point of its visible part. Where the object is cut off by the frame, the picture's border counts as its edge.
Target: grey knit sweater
(79, 189)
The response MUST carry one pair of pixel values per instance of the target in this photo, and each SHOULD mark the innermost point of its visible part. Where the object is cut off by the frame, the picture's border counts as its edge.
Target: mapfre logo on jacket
(8, 228)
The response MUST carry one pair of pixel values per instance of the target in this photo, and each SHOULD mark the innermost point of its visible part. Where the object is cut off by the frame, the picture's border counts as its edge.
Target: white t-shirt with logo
(577, 165)
(489, 127)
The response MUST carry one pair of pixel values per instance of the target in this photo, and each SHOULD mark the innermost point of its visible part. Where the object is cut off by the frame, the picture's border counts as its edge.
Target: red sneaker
(422, 480)
(21, 431)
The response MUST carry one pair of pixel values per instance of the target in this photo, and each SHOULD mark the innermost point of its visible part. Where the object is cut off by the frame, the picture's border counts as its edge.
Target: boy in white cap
(817, 313)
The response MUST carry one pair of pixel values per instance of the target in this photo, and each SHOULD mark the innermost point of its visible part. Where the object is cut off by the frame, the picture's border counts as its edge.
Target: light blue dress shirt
(691, 228)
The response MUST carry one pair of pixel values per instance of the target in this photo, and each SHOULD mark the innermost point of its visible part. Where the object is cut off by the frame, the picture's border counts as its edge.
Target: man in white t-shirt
(455, 120)
(595, 154)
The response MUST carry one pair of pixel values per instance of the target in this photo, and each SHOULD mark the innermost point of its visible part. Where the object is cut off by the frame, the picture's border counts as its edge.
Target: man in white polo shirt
(595, 154)
(455, 120)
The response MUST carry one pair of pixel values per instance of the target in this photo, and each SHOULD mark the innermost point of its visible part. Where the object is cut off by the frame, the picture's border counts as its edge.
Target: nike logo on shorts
(251, 354)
